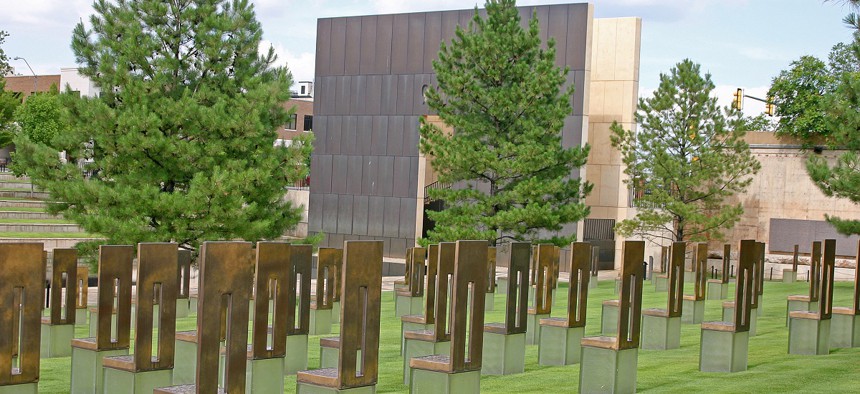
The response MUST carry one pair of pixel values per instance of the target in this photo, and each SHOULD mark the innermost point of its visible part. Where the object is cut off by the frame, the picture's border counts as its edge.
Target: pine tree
(179, 144)
(685, 161)
(506, 102)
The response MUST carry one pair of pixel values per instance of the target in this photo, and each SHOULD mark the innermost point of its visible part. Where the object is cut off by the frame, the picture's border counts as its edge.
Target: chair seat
(802, 298)
(125, 363)
(496, 328)
(84, 343)
(400, 283)
(421, 335)
(718, 326)
(187, 336)
(663, 276)
(612, 302)
(403, 292)
(804, 315)
(728, 304)
(182, 389)
(319, 307)
(715, 281)
(691, 298)
(656, 312)
(330, 342)
(600, 342)
(841, 310)
(418, 319)
(554, 322)
(326, 377)
(435, 363)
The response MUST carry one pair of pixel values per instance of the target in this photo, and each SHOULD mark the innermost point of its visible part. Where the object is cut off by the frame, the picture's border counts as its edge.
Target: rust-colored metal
(416, 272)
(745, 294)
(22, 278)
(676, 279)
(664, 259)
(432, 273)
(65, 262)
(470, 276)
(795, 257)
(299, 289)
(157, 279)
(815, 271)
(546, 259)
(338, 273)
(828, 266)
(727, 261)
(761, 251)
(326, 262)
(491, 269)
(272, 277)
(445, 275)
(577, 297)
(516, 300)
(407, 276)
(226, 273)
(115, 265)
(700, 265)
(856, 305)
(184, 261)
(630, 299)
(82, 286)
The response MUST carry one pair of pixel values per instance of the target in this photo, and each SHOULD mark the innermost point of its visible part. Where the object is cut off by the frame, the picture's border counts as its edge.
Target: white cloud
(300, 65)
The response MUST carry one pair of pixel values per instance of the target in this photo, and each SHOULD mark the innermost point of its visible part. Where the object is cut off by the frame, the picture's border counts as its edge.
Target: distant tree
(687, 158)
(4, 59)
(799, 95)
(180, 142)
(8, 101)
(505, 99)
(760, 122)
(39, 117)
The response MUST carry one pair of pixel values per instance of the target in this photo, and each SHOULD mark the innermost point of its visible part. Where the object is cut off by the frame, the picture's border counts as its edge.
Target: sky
(741, 43)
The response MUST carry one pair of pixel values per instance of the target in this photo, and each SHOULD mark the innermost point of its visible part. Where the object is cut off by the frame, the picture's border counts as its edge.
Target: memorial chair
(298, 306)
(755, 275)
(358, 361)
(694, 305)
(407, 276)
(409, 300)
(459, 371)
(790, 275)
(183, 304)
(809, 332)
(718, 289)
(543, 266)
(661, 282)
(423, 321)
(82, 288)
(724, 346)
(661, 328)
(608, 363)
(321, 301)
(845, 323)
(226, 275)
(437, 339)
(22, 278)
(151, 365)
(335, 299)
(505, 343)
(560, 338)
(490, 299)
(807, 302)
(58, 328)
(112, 320)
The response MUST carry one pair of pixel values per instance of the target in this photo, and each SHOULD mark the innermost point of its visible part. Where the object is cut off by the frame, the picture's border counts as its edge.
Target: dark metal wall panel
(389, 94)
(395, 136)
(543, 16)
(347, 137)
(354, 175)
(333, 134)
(785, 233)
(579, 28)
(323, 48)
(391, 227)
(329, 213)
(315, 208)
(450, 20)
(397, 248)
(384, 38)
(338, 174)
(415, 46)
(401, 177)
(413, 176)
(344, 214)
(358, 95)
(321, 174)
(363, 135)
(407, 217)
(341, 105)
(571, 132)
(410, 136)
(320, 132)
(404, 94)
(386, 176)
(557, 27)
(418, 85)
(367, 61)
(379, 139)
(465, 16)
(374, 95)
(400, 44)
(579, 81)
(353, 46)
(525, 16)
(329, 95)
(370, 175)
(359, 215)
(375, 215)
(432, 38)
(338, 46)
(335, 241)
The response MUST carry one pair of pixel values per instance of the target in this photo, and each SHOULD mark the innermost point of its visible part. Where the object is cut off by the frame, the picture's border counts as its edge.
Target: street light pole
(35, 77)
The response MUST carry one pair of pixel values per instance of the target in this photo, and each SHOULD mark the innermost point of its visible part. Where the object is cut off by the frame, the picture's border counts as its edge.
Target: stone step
(16, 185)
(8, 176)
(49, 243)
(38, 228)
(23, 203)
(26, 215)
(24, 194)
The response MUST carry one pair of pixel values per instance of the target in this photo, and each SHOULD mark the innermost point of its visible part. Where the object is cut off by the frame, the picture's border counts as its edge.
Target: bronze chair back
(272, 278)
(630, 299)
(115, 264)
(157, 280)
(577, 296)
(517, 301)
(360, 313)
(676, 279)
(470, 276)
(299, 289)
(22, 277)
(65, 262)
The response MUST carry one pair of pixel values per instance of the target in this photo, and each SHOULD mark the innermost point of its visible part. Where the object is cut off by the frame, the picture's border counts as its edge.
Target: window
(308, 123)
(291, 122)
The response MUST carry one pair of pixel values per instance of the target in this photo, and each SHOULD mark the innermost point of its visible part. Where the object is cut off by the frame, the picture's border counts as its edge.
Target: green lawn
(771, 368)
(35, 221)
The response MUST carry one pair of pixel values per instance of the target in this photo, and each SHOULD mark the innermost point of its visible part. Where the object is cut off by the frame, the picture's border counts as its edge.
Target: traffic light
(738, 102)
(769, 107)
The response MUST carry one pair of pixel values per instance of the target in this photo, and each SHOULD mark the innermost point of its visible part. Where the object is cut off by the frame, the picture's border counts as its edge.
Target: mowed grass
(35, 221)
(771, 368)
